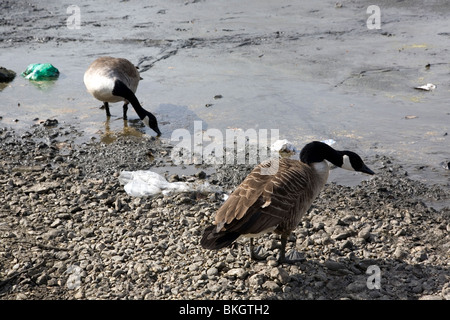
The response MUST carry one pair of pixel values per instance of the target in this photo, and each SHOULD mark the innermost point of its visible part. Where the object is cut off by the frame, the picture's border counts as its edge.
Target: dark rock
(6, 75)
(50, 123)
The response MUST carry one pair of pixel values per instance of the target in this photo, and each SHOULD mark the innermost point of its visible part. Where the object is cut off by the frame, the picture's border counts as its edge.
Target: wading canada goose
(111, 79)
(276, 200)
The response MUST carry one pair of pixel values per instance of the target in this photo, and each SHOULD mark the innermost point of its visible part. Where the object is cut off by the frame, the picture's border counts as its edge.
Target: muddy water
(310, 70)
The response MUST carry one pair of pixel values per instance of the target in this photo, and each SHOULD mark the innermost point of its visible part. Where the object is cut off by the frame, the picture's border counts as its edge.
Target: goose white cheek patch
(146, 121)
(346, 163)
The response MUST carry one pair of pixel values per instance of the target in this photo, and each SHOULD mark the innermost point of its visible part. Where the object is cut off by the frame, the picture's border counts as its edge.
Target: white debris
(286, 146)
(426, 87)
(143, 183)
(329, 142)
(283, 146)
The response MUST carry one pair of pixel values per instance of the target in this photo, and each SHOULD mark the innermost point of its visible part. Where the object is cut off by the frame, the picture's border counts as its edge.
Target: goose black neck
(121, 90)
(318, 151)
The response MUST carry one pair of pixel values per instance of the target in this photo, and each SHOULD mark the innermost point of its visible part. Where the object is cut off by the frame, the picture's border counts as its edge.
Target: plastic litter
(143, 183)
(283, 146)
(286, 146)
(426, 87)
(40, 71)
(329, 142)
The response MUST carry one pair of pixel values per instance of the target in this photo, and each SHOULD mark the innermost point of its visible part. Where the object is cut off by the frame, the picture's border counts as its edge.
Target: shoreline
(70, 231)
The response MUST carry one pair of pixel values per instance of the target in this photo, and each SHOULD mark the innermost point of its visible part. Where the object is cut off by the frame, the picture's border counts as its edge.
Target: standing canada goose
(111, 79)
(276, 201)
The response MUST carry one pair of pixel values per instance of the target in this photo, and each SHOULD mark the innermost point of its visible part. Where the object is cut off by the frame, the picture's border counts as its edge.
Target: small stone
(280, 274)
(118, 204)
(214, 287)
(42, 188)
(52, 282)
(431, 297)
(55, 223)
(201, 174)
(271, 285)
(100, 246)
(239, 273)
(365, 233)
(357, 286)
(422, 256)
(21, 296)
(173, 178)
(118, 272)
(334, 265)
(62, 255)
(342, 235)
(117, 258)
(50, 123)
(42, 279)
(6, 75)
(87, 232)
(417, 289)
(220, 265)
(79, 294)
(399, 253)
(256, 280)
(212, 272)
(347, 244)
(52, 234)
(230, 258)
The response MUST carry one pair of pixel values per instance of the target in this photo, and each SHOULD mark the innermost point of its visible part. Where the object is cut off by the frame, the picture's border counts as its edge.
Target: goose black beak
(366, 169)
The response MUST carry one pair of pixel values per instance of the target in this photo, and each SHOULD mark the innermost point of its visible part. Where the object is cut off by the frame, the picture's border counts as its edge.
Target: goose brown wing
(263, 201)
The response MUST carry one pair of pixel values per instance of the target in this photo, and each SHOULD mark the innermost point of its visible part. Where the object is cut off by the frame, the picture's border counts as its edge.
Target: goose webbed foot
(257, 253)
(292, 257)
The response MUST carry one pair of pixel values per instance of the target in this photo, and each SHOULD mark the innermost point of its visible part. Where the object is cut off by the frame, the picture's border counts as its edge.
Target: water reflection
(109, 135)
(43, 85)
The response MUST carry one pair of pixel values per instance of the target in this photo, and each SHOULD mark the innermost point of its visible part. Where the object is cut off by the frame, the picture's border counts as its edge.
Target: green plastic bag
(41, 71)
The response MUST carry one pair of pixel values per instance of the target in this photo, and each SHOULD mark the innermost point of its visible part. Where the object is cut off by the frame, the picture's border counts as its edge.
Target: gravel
(69, 231)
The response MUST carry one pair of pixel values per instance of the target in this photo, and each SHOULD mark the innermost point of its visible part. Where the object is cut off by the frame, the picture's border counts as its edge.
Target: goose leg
(254, 253)
(125, 109)
(106, 106)
(293, 256)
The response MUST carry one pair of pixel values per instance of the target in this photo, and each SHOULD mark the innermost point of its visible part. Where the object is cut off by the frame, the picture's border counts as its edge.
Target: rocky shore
(68, 230)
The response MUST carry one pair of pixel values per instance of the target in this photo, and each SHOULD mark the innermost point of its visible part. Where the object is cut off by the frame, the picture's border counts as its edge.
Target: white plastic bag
(144, 183)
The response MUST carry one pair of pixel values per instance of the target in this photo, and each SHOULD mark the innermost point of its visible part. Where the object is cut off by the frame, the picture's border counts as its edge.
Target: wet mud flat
(68, 230)
(312, 70)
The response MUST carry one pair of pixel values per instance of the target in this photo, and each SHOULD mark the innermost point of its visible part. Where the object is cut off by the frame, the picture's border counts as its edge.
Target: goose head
(353, 162)
(317, 151)
(150, 121)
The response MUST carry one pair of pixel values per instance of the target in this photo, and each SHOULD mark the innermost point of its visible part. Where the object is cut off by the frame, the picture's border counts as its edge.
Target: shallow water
(310, 70)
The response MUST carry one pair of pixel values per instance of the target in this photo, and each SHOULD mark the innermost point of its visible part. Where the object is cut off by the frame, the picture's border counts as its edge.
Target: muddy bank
(69, 231)
(312, 70)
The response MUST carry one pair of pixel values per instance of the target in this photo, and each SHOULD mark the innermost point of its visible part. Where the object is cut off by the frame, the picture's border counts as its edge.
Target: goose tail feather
(213, 240)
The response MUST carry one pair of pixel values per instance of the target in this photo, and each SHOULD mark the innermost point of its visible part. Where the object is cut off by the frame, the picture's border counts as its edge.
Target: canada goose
(276, 201)
(111, 79)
